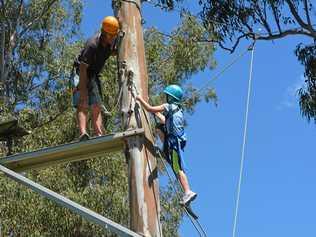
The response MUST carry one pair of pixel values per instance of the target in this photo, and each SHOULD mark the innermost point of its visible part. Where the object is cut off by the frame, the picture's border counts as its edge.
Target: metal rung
(75, 207)
(69, 152)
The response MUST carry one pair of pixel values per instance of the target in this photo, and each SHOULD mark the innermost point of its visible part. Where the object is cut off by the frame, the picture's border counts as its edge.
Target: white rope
(244, 144)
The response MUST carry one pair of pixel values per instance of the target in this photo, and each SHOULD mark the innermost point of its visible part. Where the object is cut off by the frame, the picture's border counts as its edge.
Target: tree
(43, 59)
(232, 21)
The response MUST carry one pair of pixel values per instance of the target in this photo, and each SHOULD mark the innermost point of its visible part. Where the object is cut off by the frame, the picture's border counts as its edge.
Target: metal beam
(69, 152)
(75, 207)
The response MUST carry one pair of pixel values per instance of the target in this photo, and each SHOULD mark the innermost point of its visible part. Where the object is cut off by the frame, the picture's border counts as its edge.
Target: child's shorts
(174, 156)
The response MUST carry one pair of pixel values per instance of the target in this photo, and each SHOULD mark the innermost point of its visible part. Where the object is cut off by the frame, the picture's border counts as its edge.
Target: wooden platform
(69, 152)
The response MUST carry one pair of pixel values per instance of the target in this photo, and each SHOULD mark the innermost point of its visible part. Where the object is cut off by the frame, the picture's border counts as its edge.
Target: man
(88, 65)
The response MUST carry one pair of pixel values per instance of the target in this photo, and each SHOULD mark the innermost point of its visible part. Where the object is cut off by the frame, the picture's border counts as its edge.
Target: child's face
(169, 99)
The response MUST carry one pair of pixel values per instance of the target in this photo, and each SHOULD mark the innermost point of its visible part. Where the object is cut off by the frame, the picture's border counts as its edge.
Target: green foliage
(307, 56)
(171, 212)
(173, 59)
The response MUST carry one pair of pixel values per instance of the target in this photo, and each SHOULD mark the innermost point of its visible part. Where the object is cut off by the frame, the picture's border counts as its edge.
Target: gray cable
(244, 144)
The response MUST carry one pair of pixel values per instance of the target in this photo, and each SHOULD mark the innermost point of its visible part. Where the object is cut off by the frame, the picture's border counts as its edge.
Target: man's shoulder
(93, 41)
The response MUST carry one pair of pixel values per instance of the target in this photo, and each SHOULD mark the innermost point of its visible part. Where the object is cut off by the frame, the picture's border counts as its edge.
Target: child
(171, 115)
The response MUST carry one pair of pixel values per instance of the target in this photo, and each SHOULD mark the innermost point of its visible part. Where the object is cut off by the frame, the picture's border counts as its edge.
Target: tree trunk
(142, 167)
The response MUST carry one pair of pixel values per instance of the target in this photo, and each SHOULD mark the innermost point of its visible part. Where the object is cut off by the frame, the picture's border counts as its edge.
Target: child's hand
(138, 97)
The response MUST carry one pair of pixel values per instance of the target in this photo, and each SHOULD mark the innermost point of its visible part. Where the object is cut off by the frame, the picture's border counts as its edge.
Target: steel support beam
(86, 213)
(69, 152)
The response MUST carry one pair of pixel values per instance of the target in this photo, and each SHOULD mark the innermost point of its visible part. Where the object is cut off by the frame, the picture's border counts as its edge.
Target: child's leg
(178, 170)
(184, 181)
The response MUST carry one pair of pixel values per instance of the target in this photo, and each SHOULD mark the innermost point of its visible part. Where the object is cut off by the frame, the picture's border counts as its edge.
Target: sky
(277, 192)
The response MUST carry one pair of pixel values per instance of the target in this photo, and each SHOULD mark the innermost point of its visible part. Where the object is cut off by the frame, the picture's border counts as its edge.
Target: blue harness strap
(174, 126)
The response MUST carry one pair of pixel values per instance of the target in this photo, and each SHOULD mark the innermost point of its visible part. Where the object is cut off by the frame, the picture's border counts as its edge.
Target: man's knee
(82, 109)
(96, 108)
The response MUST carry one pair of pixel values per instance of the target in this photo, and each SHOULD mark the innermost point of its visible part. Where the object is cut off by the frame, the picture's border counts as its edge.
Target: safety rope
(193, 221)
(225, 68)
(244, 143)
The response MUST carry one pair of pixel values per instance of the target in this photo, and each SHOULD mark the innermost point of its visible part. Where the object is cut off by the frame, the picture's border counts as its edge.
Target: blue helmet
(174, 91)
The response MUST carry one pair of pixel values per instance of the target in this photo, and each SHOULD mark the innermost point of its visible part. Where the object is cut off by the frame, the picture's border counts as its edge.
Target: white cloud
(290, 97)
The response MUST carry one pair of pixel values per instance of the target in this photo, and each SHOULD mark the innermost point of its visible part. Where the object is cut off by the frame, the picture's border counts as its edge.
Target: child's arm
(148, 107)
(161, 117)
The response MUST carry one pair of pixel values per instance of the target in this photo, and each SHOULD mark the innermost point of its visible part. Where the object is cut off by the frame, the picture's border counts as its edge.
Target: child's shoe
(188, 197)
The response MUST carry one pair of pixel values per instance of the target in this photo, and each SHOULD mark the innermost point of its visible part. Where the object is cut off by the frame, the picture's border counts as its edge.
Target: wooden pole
(142, 167)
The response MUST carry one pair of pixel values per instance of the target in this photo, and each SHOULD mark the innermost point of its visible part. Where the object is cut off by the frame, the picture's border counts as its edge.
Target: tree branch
(31, 23)
(296, 15)
(284, 34)
(2, 8)
(232, 50)
(14, 26)
(265, 37)
(307, 13)
(3, 12)
(51, 119)
(276, 18)
(264, 23)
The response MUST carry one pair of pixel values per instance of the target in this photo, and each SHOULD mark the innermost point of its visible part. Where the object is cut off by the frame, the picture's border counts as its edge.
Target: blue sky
(277, 193)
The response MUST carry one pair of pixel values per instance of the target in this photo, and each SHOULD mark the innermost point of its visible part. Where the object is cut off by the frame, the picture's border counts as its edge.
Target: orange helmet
(110, 25)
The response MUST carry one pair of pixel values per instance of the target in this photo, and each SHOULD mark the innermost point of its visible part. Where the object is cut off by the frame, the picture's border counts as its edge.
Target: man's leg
(97, 120)
(81, 105)
(82, 114)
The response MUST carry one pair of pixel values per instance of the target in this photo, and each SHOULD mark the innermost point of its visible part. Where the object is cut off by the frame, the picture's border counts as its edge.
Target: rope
(226, 67)
(244, 144)
(176, 190)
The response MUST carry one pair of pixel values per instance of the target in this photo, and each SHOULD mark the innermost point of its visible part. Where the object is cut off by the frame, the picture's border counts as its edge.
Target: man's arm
(83, 76)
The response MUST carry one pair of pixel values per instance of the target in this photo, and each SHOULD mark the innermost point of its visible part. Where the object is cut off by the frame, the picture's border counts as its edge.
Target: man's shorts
(94, 95)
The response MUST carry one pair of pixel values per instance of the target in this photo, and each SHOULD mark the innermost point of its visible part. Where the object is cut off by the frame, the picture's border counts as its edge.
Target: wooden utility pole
(142, 167)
